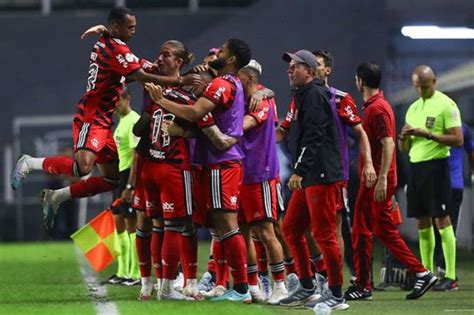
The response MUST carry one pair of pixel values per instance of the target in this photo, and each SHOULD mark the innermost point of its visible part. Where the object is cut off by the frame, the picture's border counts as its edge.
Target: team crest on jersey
(95, 143)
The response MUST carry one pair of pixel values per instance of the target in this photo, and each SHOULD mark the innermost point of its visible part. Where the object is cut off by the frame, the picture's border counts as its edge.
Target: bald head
(424, 80)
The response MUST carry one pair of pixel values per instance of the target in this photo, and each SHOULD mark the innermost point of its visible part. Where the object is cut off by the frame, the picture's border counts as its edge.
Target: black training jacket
(313, 140)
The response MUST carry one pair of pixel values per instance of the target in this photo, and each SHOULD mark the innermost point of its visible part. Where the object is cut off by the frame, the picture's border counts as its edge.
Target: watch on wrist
(129, 186)
(429, 136)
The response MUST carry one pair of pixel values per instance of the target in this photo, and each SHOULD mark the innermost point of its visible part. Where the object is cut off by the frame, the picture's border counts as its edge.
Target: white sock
(421, 274)
(279, 284)
(35, 163)
(147, 281)
(254, 288)
(166, 285)
(61, 195)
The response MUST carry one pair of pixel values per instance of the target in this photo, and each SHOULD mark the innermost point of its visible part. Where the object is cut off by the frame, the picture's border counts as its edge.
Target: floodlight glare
(436, 32)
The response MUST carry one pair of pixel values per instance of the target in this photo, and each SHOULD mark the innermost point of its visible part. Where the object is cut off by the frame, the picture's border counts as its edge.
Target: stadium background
(44, 65)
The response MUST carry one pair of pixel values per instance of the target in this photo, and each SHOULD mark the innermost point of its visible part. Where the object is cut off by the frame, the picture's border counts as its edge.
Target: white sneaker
(179, 282)
(146, 291)
(256, 293)
(217, 291)
(157, 287)
(20, 171)
(266, 286)
(279, 293)
(206, 284)
(192, 290)
(292, 282)
(174, 295)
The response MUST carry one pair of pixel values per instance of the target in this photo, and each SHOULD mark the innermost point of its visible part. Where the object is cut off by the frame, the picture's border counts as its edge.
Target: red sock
(252, 274)
(189, 250)
(289, 266)
(143, 241)
(59, 165)
(222, 269)
(156, 246)
(262, 260)
(236, 254)
(90, 187)
(211, 264)
(170, 253)
(278, 271)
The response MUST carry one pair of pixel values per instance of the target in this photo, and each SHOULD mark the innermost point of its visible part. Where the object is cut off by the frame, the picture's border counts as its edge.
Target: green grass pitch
(45, 278)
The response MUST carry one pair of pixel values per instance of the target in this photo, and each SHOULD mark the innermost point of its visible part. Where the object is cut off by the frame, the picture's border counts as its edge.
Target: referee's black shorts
(429, 189)
(124, 209)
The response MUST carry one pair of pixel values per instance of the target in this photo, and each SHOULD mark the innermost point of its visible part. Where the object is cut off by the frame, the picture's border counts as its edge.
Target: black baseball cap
(303, 56)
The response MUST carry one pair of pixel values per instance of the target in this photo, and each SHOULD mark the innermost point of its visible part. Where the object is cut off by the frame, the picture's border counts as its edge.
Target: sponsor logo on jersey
(131, 57)
(122, 61)
(167, 206)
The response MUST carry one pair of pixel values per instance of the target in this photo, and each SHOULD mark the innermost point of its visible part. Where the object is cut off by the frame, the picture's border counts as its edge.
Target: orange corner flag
(98, 240)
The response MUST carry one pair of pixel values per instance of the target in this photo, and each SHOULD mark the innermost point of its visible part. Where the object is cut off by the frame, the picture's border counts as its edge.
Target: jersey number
(157, 133)
(93, 70)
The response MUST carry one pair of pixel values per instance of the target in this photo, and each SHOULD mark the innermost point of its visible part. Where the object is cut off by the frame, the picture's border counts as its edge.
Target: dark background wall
(45, 64)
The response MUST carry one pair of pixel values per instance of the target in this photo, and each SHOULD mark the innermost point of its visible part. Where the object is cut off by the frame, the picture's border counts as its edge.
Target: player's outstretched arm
(190, 113)
(219, 139)
(95, 30)
(142, 77)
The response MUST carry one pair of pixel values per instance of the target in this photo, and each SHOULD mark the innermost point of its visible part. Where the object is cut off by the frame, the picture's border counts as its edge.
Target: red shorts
(280, 200)
(258, 202)
(138, 202)
(167, 190)
(95, 138)
(342, 201)
(224, 182)
(201, 216)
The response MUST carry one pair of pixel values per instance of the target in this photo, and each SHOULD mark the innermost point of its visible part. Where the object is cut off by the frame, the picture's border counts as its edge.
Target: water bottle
(322, 309)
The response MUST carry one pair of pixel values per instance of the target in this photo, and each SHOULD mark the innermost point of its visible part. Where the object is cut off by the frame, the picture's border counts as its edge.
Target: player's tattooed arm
(219, 139)
(249, 122)
(140, 129)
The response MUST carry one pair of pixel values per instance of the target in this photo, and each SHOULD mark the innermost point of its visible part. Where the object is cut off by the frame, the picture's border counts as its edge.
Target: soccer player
(317, 173)
(373, 210)
(167, 179)
(124, 214)
(433, 124)
(258, 204)
(111, 63)
(223, 97)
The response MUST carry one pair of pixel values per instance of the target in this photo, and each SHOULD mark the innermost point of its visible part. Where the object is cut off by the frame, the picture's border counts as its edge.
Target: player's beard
(218, 64)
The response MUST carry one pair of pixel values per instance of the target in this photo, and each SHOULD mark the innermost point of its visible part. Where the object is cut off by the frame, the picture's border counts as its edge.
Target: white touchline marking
(97, 291)
(472, 310)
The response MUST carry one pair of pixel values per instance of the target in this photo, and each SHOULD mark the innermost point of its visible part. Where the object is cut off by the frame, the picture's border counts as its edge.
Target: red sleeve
(221, 92)
(275, 111)
(348, 111)
(148, 66)
(262, 112)
(123, 61)
(380, 124)
(206, 121)
(290, 115)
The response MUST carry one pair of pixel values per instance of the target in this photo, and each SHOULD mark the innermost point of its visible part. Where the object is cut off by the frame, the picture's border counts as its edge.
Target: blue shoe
(20, 171)
(49, 209)
(234, 296)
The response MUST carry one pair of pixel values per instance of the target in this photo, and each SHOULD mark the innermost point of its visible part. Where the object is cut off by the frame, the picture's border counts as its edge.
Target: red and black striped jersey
(111, 61)
(161, 145)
